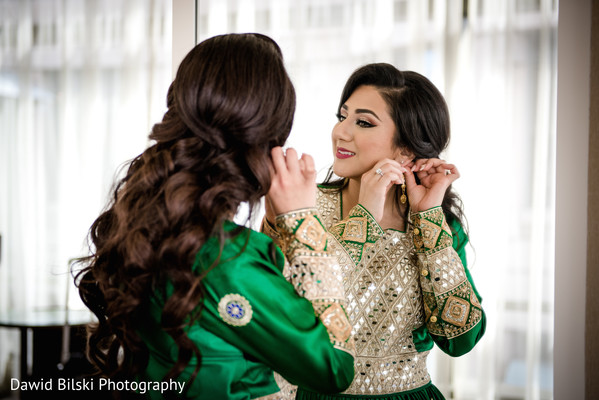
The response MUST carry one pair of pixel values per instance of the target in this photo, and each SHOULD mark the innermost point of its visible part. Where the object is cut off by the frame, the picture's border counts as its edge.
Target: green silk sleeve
(300, 330)
(454, 315)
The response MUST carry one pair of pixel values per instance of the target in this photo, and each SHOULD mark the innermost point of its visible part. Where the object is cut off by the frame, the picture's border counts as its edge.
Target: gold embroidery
(311, 233)
(235, 309)
(456, 311)
(388, 297)
(313, 272)
(356, 230)
(335, 319)
(431, 232)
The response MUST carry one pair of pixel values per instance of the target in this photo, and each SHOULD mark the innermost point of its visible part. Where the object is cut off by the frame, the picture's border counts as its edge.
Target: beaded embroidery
(314, 272)
(235, 310)
(395, 282)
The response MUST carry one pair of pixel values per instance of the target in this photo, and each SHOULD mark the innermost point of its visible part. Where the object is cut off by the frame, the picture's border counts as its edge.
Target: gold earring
(403, 197)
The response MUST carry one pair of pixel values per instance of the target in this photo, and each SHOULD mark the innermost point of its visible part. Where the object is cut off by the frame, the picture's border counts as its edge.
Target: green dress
(257, 331)
(405, 292)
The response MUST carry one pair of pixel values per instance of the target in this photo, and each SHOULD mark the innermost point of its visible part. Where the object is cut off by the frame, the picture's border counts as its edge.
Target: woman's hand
(435, 177)
(293, 183)
(375, 185)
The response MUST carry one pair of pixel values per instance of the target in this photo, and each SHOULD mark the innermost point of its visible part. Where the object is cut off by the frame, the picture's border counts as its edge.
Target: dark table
(30, 321)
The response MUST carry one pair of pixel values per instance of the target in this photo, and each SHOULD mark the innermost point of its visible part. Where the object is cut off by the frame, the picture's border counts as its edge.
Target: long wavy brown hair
(230, 103)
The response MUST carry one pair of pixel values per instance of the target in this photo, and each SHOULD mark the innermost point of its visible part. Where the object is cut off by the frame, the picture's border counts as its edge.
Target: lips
(344, 153)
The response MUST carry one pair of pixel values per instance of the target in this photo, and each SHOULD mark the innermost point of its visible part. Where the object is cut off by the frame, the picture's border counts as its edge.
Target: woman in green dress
(398, 230)
(189, 303)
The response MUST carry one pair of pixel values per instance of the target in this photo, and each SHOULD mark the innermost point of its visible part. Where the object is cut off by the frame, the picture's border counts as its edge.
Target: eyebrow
(362, 111)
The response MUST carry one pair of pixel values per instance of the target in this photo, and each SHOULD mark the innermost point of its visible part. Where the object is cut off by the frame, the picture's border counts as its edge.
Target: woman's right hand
(374, 186)
(293, 183)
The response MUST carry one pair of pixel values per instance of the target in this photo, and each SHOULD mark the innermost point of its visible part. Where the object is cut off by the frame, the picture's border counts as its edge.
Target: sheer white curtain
(495, 61)
(81, 83)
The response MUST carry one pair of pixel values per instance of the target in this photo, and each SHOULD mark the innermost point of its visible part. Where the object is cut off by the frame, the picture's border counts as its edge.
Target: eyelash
(360, 122)
(364, 124)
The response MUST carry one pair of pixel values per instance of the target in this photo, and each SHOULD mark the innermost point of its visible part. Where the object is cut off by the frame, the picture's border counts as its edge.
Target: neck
(393, 215)
(351, 194)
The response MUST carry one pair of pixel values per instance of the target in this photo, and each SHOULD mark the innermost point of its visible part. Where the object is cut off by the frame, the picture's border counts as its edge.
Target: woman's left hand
(435, 177)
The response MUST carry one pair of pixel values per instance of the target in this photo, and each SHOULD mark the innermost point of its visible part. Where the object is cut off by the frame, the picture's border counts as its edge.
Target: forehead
(366, 97)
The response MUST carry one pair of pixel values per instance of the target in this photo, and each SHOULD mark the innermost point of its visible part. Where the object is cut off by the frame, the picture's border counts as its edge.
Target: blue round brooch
(235, 309)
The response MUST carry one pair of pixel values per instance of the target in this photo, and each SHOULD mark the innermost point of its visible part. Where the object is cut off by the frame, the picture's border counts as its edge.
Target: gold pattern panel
(311, 233)
(315, 273)
(316, 276)
(328, 203)
(335, 319)
(445, 270)
(458, 314)
(431, 232)
(356, 230)
(390, 374)
(456, 311)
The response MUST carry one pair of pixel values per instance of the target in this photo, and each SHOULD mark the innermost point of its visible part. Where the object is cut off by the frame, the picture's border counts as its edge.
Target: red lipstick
(344, 153)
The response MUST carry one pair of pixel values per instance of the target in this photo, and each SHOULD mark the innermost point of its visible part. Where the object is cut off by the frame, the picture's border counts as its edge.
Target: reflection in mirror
(496, 66)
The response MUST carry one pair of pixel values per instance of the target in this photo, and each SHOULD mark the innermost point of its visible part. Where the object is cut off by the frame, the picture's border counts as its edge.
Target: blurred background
(83, 81)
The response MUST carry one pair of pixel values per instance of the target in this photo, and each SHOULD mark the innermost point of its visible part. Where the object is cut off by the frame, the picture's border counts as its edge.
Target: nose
(342, 131)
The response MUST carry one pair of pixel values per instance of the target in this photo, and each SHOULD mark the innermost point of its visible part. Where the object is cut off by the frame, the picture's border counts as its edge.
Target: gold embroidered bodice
(384, 303)
(395, 283)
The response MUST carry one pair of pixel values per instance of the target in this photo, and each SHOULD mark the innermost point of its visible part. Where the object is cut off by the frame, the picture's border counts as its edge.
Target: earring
(403, 197)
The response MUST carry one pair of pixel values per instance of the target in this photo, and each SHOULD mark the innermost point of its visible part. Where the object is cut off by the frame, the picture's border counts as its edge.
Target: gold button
(416, 231)
(433, 319)
(424, 272)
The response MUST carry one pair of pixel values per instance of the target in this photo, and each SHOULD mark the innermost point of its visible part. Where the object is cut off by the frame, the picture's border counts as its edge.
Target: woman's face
(363, 135)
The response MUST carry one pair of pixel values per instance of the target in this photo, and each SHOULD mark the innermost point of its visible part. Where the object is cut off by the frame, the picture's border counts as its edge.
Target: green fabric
(427, 392)
(283, 334)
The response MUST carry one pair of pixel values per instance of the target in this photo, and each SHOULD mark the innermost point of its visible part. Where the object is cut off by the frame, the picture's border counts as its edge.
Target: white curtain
(496, 63)
(81, 83)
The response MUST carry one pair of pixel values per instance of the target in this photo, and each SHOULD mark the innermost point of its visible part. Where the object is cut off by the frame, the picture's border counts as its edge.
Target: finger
(392, 178)
(278, 160)
(431, 163)
(292, 160)
(419, 163)
(451, 168)
(308, 170)
(397, 172)
(410, 180)
(451, 172)
(388, 165)
(307, 165)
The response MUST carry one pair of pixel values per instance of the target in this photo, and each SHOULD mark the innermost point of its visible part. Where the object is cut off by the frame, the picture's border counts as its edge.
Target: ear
(403, 155)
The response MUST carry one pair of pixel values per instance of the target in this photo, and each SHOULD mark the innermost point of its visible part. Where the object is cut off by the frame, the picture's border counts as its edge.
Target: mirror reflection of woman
(399, 231)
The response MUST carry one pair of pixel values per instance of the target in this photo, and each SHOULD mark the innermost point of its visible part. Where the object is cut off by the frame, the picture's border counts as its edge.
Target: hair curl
(420, 115)
(230, 103)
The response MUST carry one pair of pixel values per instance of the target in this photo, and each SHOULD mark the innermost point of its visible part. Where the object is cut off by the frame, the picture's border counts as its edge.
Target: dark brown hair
(419, 112)
(230, 103)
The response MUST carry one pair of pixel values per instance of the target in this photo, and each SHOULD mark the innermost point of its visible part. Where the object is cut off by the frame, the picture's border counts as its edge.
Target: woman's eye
(364, 124)
(340, 117)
